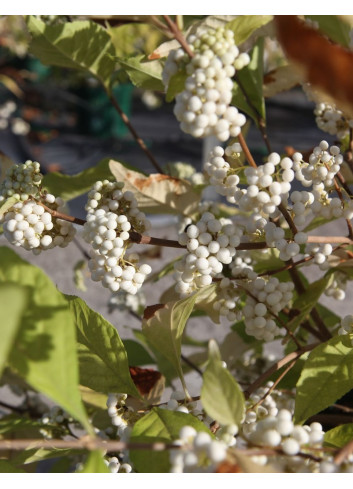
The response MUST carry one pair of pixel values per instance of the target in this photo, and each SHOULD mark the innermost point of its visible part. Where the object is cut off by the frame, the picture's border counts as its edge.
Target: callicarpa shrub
(272, 395)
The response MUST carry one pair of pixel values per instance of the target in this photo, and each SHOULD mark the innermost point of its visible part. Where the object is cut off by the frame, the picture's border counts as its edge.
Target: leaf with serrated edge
(102, 357)
(157, 193)
(244, 25)
(159, 425)
(326, 376)
(45, 354)
(165, 328)
(221, 395)
(83, 45)
(143, 74)
(70, 186)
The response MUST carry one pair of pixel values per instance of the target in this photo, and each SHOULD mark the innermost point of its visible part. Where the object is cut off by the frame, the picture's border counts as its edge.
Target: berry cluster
(22, 181)
(203, 107)
(332, 120)
(271, 297)
(198, 451)
(210, 244)
(29, 225)
(111, 215)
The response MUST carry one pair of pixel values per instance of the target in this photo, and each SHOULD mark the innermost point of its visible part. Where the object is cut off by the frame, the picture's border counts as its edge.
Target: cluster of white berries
(114, 465)
(324, 163)
(56, 415)
(337, 289)
(280, 431)
(271, 297)
(21, 181)
(197, 451)
(203, 107)
(177, 402)
(185, 171)
(29, 222)
(332, 120)
(29, 225)
(17, 125)
(210, 244)
(112, 215)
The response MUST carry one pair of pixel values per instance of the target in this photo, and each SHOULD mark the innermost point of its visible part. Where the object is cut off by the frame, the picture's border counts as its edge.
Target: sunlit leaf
(102, 357)
(340, 435)
(326, 376)
(221, 395)
(143, 74)
(45, 354)
(245, 25)
(82, 44)
(95, 464)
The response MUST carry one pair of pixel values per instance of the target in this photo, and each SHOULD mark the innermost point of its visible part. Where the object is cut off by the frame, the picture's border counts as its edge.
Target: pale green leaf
(13, 300)
(70, 186)
(79, 280)
(281, 79)
(157, 193)
(326, 376)
(82, 45)
(245, 25)
(176, 85)
(221, 395)
(45, 354)
(102, 357)
(248, 91)
(7, 204)
(143, 74)
(334, 27)
(165, 327)
(307, 301)
(95, 464)
(164, 426)
(340, 435)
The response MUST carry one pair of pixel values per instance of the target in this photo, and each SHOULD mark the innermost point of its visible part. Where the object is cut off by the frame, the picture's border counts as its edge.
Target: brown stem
(85, 443)
(246, 151)
(274, 385)
(339, 193)
(138, 139)
(191, 364)
(343, 453)
(276, 366)
(288, 218)
(174, 29)
(344, 184)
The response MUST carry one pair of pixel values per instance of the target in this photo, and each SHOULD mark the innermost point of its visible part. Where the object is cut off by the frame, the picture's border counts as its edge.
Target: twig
(85, 443)
(174, 29)
(274, 385)
(138, 139)
(246, 151)
(343, 453)
(276, 366)
(17, 409)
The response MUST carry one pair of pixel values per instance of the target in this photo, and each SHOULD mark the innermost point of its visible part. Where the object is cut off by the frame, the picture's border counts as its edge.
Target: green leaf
(45, 354)
(159, 425)
(334, 27)
(164, 329)
(7, 467)
(137, 354)
(13, 299)
(102, 357)
(340, 435)
(82, 45)
(221, 395)
(7, 204)
(79, 280)
(143, 74)
(327, 375)
(307, 301)
(176, 85)
(244, 25)
(70, 186)
(95, 464)
(251, 82)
